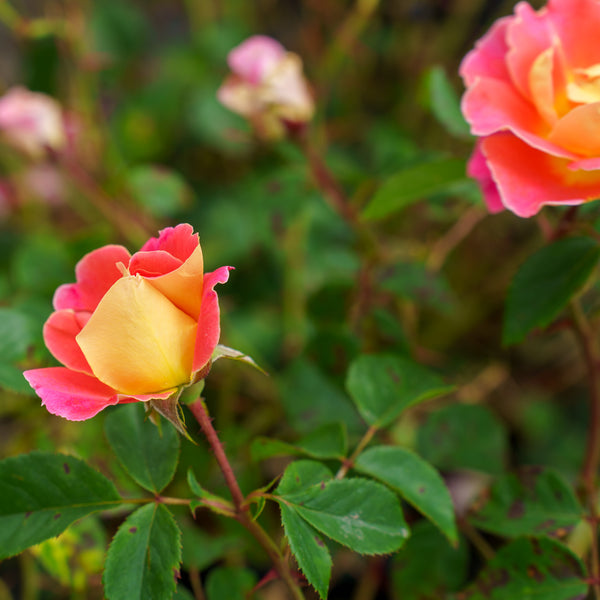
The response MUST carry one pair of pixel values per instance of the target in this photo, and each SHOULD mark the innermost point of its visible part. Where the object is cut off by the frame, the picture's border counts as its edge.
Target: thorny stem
(243, 515)
(589, 473)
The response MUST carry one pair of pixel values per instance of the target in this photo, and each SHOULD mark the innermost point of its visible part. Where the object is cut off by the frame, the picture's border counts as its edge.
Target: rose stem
(589, 472)
(243, 515)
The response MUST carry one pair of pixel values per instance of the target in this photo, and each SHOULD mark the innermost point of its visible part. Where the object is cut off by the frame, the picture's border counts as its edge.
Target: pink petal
(209, 328)
(69, 394)
(487, 59)
(477, 168)
(180, 241)
(576, 24)
(254, 58)
(95, 273)
(153, 264)
(59, 335)
(528, 179)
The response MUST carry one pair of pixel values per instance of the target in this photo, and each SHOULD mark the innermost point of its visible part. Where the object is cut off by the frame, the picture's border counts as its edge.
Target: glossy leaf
(545, 283)
(529, 569)
(143, 559)
(41, 494)
(428, 566)
(147, 452)
(531, 502)
(414, 183)
(442, 440)
(308, 548)
(415, 480)
(301, 475)
(358, 513)
(383, 385)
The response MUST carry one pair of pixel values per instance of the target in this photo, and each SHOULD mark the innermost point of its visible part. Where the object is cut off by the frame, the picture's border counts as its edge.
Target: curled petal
(69, 394)
(59, 335)
(95, 274)
(153, 264)
(179, 241)
(209, 328)
(137, 341)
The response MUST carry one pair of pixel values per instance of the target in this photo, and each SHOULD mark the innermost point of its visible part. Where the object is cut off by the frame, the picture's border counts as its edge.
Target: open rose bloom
(133, 328)
(533, 97)
(31, 122)
(267, 87)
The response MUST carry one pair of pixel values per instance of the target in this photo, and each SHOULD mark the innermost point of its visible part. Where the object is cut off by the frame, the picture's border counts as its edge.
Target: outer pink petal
(487, 59)
(209, 328)
(180, 241)
(69, 394)
(153, 264)
(576, 24)
(95, 274)
(477, 168)
(254, 58)
(528, 35)
(527, 179)
(59, 335)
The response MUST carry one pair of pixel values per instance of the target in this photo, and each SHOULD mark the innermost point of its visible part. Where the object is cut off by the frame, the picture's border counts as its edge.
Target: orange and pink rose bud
(267, 86)
(132, 328)
(533, 98)
(32, 123)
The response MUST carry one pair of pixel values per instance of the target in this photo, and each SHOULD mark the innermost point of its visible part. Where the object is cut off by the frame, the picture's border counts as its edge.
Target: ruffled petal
(528, 179)
(95, 273)
(137, 341)
(180, 241)
(59, 335)
(209, 328)
(69, 394)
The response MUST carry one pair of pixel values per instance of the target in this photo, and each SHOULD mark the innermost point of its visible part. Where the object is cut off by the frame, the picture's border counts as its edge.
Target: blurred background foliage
(311, 291)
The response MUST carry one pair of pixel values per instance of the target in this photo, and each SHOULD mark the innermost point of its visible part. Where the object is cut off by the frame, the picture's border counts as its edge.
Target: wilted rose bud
(32, 122)
(267, 87)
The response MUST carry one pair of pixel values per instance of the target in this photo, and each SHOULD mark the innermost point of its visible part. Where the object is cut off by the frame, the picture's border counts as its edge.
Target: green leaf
(529, 569)
(201, 550)
(143, 559)
(328, 441)
(207, 499)
(42, 494)
(311, 400)
(531, 502)
(147, 452)
(415, 480)
(414, 183)
(545, 283)
(382, 386)
(15, 335)
(229, 583)
(358, 513)
(309, 550)
(301, 475)
(442, 440)
(162, 191)
(428, 566)
(444, 103)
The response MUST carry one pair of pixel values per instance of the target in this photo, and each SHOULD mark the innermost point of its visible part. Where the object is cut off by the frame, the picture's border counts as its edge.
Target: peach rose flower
(32, 122)
(267, 87)
(133, 328)
(533, 97)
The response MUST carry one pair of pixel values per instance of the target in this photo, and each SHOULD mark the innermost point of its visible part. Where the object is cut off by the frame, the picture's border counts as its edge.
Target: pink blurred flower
(533, 97)
(32, 122)
(133, 328)
(267, 87)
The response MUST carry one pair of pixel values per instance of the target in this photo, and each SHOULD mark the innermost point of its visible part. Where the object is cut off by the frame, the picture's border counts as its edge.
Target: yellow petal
(137, 341)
